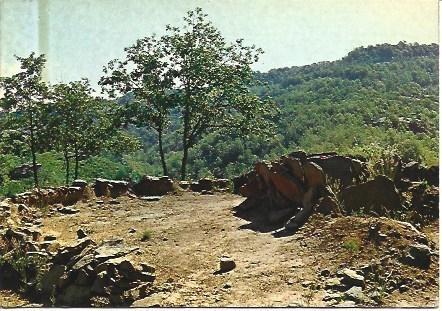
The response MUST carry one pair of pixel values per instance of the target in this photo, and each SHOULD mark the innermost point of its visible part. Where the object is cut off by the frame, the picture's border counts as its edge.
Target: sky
(83, 35)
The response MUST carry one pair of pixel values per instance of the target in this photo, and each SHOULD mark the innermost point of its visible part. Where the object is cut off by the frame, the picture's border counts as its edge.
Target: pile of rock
(55, 195)
(110, 188)
(153, 186)
(206, 185)
(87, 274)
(292, 187)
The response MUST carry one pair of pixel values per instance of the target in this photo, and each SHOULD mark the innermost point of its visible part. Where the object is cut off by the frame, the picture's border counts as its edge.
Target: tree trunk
(184, 163)
(160, 146)
(33, 152)
(185, 141)
(77, 160)
(66, 162)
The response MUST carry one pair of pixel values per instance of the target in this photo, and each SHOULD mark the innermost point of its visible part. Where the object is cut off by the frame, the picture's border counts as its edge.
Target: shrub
(146, 235)
(351, 245)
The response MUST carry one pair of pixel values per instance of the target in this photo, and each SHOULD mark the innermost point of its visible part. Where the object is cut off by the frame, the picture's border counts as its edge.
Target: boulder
(206, 184)
(113, 188)
(184, 184)
(221, 183)
(51, 277)
(338, 167)
(419, 255)
(351, 278)
(355, 294)
(226, 264)
(313, 174)
(380, 194)
(327, 205)
(23, 171)
(153, 186)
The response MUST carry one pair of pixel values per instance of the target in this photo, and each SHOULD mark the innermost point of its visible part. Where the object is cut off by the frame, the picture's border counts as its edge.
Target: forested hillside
(377, 99)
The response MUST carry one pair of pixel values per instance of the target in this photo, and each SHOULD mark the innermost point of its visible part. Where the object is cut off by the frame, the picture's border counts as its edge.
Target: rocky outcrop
(379, 195)
(112, 188)
(153, 186)
(54, 195)
(86, 272)
(287, 189)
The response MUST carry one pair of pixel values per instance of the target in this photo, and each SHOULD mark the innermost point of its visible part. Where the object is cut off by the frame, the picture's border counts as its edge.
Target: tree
(144, 73)
(195, 70)
(214, 79)
(25, 95)
(82, 125)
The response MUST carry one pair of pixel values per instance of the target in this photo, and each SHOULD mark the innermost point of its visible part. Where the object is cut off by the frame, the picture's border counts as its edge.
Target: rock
(51, 277)
(81, 234)
(227, 285)
(221, 183)
(49, 238)
(327, 205)
(99, 284)
(379, 193)
(113, 188)
(206, 192)
(184, 184)
(313, 174)
(99, 202)
(9, 277)
(206, 184)
(333, 283)
(132, 230)
(23, 171)
(151, 198)
(74, 296)
(338, 167)
(325, 272)
(147, 268)
(79, 183)
(226, 264)
(355, 294)
(65, 254)
(351, 278)
(332, 296)
(67, 210)
(419, 256)
(153, 186)
(22, 208)
(83, 278)
(114, 201)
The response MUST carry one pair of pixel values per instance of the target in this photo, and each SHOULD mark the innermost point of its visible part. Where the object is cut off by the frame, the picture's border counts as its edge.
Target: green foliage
(351, 245)
(146, 235)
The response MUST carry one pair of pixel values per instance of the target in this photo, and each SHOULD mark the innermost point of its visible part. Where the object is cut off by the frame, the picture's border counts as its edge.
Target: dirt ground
(189, 233)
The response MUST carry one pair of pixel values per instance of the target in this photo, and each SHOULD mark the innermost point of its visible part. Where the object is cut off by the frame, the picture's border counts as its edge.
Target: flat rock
(351, 278)
(226, 264)
(67, 210)
(355, 294)
(150, 198)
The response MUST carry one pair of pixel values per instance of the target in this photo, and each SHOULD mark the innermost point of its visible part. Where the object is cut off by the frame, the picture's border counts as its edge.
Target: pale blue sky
(85, 34)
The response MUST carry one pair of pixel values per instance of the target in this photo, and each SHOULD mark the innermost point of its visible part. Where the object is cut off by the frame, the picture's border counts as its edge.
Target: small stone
(99, 202)
(290, 282)
(331, 296)
(22, 208)
(49, 238)
(226, 264)
(132, 230)
(68, 210)
(306, 283)
(351, 277)
(355, 294)
(403, 288)
(325, 273)
(81, 233)
(227, 285)
(150, 198)
(114, 201)
(333, 283)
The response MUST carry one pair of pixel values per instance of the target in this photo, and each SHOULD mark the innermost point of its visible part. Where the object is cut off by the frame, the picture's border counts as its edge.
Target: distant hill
(382, 97)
